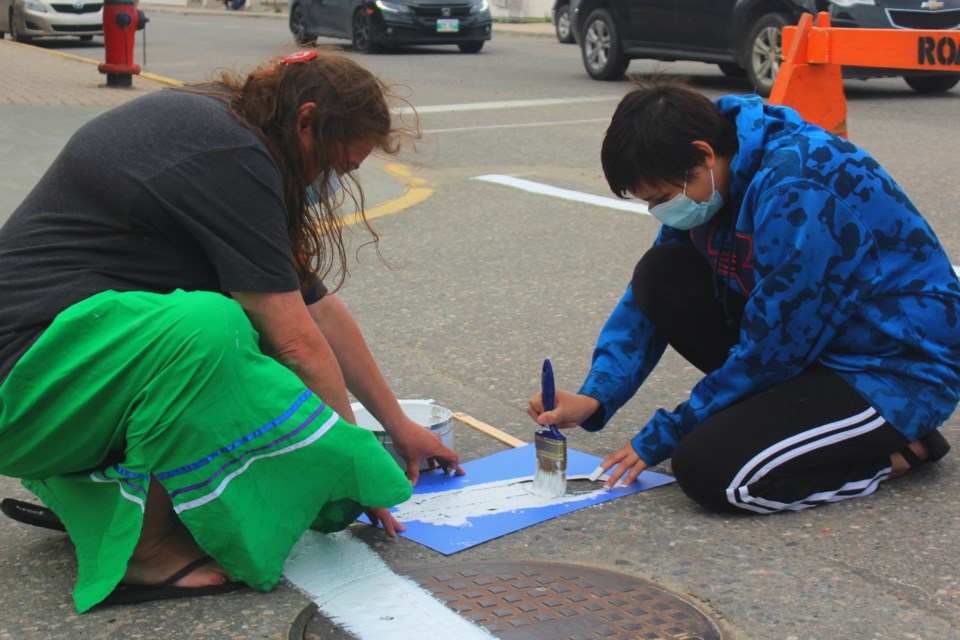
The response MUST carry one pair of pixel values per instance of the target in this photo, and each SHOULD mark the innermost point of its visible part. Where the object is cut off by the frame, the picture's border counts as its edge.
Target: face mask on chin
(316, 188)
(682, 212)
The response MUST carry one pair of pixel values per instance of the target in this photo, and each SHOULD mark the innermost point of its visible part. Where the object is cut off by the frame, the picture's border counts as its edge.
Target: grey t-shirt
(166, 192)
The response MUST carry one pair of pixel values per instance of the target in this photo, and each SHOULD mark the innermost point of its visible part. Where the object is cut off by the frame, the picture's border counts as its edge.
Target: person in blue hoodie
(799, 278)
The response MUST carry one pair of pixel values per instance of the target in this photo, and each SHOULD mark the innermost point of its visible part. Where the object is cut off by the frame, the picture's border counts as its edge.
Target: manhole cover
(533, 600)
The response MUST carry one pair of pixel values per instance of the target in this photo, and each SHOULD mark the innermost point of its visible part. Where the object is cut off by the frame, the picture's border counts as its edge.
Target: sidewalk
(34, 76)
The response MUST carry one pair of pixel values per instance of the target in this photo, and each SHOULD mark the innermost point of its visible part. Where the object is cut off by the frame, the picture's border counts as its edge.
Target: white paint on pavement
(455, 508)
(521, 125)
(506, 104)
(566, 194)
(356, 589)
(577, 196)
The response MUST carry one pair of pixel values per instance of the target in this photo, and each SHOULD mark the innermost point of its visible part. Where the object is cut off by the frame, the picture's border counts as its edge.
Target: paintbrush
(550, 480)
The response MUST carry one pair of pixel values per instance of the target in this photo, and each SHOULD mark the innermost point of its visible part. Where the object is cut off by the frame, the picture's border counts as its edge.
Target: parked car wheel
(15, 34)
(298, 25)
(563, 27)
(601, 48)
(933, 84)
(732, 69)
(363, 33)
(471, 47)
(763, 50)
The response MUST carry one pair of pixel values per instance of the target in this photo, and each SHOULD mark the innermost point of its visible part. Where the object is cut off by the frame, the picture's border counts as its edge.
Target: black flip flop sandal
(136, 593)
(936, 445)
(32, 514)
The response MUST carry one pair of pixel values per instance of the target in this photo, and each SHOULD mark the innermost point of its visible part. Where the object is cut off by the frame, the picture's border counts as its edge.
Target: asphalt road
(908, 133)
(524, 106)
(484, 280)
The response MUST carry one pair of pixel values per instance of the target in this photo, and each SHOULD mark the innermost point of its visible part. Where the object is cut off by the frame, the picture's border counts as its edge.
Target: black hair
(650, 137)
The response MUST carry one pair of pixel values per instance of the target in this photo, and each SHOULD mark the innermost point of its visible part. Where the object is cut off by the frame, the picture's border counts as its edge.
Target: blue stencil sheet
(450, 514)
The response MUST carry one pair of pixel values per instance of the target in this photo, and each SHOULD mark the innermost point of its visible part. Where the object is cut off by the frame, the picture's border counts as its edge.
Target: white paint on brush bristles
(455, 508)
(549, 484)
(357, 590)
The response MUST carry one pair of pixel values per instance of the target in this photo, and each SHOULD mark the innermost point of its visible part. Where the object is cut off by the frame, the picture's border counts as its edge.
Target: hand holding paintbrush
(564, 409)
(550, 480)
(567, 410)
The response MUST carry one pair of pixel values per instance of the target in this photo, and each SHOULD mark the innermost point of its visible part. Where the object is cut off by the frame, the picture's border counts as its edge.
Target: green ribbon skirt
(125, 387)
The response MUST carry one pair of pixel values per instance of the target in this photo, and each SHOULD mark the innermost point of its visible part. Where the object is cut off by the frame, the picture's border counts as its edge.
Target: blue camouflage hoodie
(839, 268)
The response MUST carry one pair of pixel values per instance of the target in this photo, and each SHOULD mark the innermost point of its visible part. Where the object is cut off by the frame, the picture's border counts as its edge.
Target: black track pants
(809, 440)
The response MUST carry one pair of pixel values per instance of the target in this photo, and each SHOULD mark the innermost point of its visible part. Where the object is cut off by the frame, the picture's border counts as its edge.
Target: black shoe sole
(32, 514)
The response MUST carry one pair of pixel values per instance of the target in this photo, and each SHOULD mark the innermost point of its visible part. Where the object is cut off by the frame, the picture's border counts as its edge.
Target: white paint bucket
(424, 412)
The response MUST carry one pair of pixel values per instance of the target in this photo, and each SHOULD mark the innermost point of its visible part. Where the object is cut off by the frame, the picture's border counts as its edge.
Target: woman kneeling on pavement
(799, 278)
(173, 372)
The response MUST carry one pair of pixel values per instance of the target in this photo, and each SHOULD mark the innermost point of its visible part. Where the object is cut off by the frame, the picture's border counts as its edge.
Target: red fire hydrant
(121, 19)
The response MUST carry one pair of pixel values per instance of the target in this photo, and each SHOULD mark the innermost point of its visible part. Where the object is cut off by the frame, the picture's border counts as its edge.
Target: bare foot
(900, 464)
(166, 546)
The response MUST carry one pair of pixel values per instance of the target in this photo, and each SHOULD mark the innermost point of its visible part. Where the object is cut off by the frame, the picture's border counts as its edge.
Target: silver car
(28, 19)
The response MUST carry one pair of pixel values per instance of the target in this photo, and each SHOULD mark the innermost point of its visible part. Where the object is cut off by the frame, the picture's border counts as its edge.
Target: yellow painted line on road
(161, 79)
(416, 190)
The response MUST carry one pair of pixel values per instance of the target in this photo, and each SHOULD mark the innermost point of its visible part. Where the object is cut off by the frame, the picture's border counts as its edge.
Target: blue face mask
(685, 213)
(313, 191)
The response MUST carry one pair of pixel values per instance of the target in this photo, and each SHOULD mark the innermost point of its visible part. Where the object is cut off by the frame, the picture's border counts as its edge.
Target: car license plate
(448, 25)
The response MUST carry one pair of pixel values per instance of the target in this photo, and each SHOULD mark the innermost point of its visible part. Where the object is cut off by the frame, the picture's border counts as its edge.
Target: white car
(28, 19)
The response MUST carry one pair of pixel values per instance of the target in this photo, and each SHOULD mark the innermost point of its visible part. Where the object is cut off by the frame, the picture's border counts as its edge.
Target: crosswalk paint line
(521, 125)
(357, 590)
(566, 194)
(505, 104)
(577, 196)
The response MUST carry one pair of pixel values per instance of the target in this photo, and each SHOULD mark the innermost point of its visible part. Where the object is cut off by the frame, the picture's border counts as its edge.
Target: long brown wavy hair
(352, 107)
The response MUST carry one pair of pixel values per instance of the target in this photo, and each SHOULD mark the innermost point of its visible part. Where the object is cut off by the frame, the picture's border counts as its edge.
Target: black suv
(741, 36)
